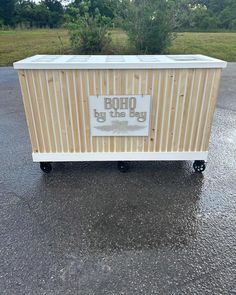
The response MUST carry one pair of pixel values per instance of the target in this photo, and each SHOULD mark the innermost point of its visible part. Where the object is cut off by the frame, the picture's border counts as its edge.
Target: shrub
(89, 34)
(149, 25)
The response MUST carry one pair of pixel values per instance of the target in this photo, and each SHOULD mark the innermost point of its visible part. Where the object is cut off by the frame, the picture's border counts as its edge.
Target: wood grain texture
(57, 108)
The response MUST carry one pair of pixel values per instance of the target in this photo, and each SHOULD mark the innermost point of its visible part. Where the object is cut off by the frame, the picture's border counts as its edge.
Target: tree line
(184, 15)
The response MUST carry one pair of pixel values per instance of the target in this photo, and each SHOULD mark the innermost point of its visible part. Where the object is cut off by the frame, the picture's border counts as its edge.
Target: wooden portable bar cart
(119, 108)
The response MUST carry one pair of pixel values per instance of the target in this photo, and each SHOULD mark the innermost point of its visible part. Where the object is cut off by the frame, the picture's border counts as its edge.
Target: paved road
(88, 229)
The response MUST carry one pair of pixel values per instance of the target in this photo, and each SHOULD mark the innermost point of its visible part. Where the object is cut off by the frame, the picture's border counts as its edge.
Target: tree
(47, 13)
(227, 17)
(7, 10)
(89, 32)
(106, 7)
(55, 8)
(149, 25)
(25, 13)
(53, 5)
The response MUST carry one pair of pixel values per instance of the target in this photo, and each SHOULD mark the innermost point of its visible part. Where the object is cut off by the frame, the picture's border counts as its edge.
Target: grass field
(15, 45)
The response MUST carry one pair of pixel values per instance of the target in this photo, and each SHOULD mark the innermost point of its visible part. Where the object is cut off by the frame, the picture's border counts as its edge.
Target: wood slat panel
(210, 109)
(28, 111)
(57, 108)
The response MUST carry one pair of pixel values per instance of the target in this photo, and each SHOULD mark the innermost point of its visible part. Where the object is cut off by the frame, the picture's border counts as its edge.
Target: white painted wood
(119, 156)
(119, 62)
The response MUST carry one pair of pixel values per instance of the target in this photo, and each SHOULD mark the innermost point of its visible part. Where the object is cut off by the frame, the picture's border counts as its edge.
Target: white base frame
(121, 156)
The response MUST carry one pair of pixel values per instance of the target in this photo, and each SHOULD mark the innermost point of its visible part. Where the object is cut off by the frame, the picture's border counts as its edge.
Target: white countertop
(119, 62)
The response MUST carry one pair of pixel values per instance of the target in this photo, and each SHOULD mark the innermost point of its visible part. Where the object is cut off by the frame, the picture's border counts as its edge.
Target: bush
(149, 25)
(89, 34)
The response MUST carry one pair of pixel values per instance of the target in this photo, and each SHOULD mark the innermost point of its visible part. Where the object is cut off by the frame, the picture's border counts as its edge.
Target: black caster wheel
(199, 166)
(123, 166)
(45, 167)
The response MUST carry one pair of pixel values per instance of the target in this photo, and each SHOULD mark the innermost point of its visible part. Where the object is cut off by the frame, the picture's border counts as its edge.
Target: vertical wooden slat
(166, 110)
(111, 92)
(208, 103)
(171, 83)
(182, 108)
(140, 91)
(28, 110)
(45, 117)
(72, 109)
(143, 140)
(149, 91)
(193, 107)
(87, 86)
(59, 125)
(48, 108)
(86, 109)
(76, 110)
(198, 109)
(202, 112)
(79, 110)
(106, 79)
(157, 111)
(93, 91)
(66, 109)
(113, 83)
(57, 108)
(205, 109)
(34, 110)
(173, 109)
(130, 90)
(70, 95)
(136, 88)
(53, 110)
(196, 94)
(60, 111)
(82, 113)
(125, 91)
(186, 108)
(154, 81)
(103, 91)
(100, 92)
(189, 111)
(38, 112)
(161, 111)
(178, 105)
(118, 92)
(97, 86)
(41, 111)
(122, 92)
(209, 120)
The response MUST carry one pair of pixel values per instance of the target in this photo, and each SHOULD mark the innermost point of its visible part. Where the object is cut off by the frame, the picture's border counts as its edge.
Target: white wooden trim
(121, 156)
(60, 62)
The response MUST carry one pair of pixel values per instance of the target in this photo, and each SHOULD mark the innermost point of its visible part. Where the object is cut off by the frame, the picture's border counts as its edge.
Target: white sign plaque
(119, 115)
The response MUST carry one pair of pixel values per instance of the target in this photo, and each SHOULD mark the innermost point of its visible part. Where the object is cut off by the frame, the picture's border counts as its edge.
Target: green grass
(219, 45)
(18, 44)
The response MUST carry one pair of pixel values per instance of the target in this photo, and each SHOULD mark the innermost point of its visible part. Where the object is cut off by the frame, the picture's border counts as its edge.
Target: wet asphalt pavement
(86, 228)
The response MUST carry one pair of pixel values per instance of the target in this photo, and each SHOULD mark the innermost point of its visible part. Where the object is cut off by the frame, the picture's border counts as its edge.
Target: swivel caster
(199, 166)
(123, 166)
(46, 167)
